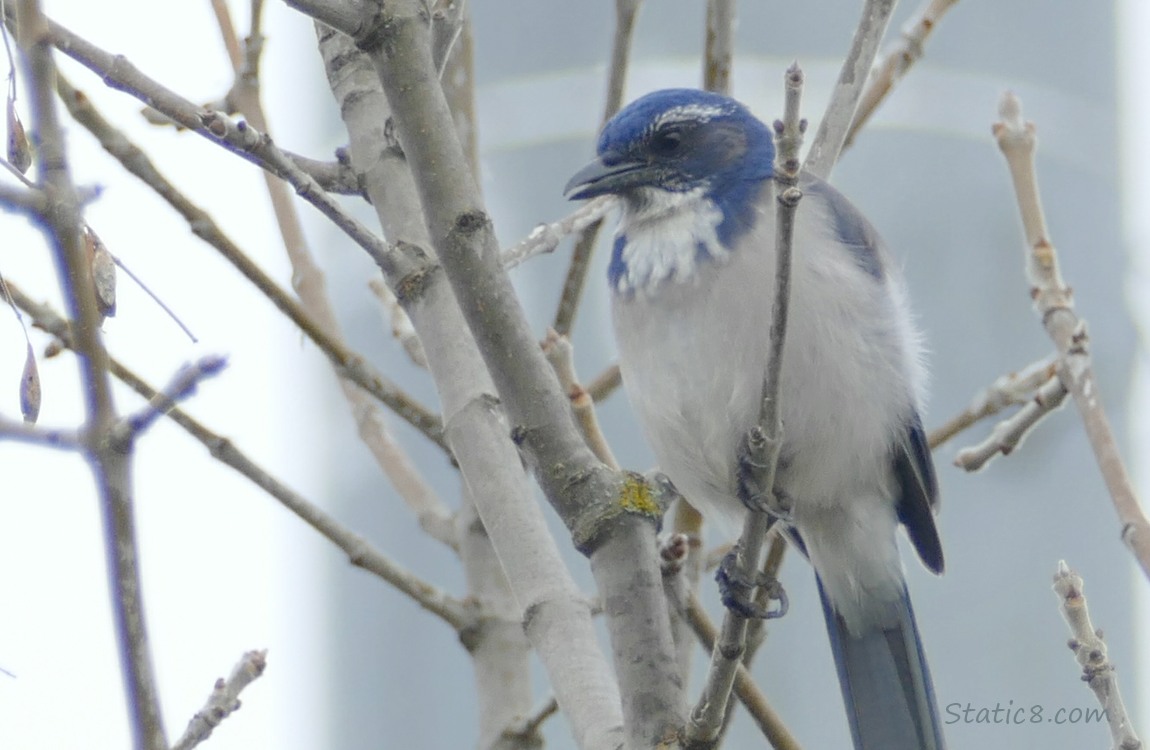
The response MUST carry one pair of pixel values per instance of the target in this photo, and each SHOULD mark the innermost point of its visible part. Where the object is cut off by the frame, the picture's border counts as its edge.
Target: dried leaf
(103, 273)
(19, 150)
(30, 388)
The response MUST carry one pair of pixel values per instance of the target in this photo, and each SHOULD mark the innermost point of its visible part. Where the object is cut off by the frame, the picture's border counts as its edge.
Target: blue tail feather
(885, 682)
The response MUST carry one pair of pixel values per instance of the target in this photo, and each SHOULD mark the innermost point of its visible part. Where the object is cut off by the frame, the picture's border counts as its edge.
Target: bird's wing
(850, 227)
(918, 493)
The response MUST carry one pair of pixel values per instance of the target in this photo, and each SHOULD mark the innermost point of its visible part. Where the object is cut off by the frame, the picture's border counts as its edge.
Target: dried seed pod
(19, 150)
(103, 272)
(30, 388)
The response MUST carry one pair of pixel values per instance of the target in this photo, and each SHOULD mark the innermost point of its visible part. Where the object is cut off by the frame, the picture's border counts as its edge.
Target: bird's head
(677, 140)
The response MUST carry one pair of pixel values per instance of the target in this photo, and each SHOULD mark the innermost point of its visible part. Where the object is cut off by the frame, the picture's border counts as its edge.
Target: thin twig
(457, 77)
(1054, 304)
(228, 28)
(360, 553)
(446, 24)
(836, 121)
(773, 562)
(28, 201)
(896, 62)
(311, 286)
(224, 699)
(605, 383)
(626, 12)
(764, 440)
(1090, 652)
(183, 385)
(561, 354)
(745, 689)
(333, 176)
(347, 363)
(1010, 389)
(240, 138)
(526, 734)
(47, 437)
(1008, 434)
(718, 54)
(682, 570)
(546, 237)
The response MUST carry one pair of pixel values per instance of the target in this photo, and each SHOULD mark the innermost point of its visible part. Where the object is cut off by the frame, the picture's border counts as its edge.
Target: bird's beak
(598, 178)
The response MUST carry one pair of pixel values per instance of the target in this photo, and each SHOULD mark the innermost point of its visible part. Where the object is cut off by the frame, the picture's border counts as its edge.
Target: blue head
(681, 142)
(677, 140)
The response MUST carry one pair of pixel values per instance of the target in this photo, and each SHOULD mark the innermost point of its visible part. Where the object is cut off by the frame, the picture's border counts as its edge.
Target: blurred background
(354, 665)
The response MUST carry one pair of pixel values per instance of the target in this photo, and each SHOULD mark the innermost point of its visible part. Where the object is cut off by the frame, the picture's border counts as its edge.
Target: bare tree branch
(361, 554)
(28, 201)
(526, 733)
(686, 520)
(561, 354)
(611, 515)
(745, 689)
(626, 11)
(333, 176)
(48, 437)
(347, 363)
(546, 237)
(1055, 306)
(311, 286)
(719, 49)
(605, 383)
(556, 617)
(1090, 651)
(764, 440)
(240, 138)
(836, 121)
(1008, 434)
(182, 386)
(1010, 389)
(224, 699)
(111, 464)
(896, 62)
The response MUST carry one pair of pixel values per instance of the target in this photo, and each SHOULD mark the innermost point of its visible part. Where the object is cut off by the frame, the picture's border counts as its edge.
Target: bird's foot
(751, 470)
(738, 591)
(756, 497)
(753, 489)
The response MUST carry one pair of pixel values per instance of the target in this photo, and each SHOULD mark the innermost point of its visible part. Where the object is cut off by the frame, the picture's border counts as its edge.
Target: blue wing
(918, 494)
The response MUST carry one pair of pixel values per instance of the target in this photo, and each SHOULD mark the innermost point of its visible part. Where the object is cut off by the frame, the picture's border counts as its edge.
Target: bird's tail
(886, 684)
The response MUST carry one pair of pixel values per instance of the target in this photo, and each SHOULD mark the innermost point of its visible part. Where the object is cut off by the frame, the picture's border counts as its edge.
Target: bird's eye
(666, 142)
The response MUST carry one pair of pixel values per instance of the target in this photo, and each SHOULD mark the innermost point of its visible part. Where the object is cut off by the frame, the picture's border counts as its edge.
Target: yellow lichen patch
(635, 496)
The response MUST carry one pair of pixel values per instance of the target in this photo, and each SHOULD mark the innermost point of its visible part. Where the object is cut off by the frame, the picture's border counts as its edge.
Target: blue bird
(692, 280)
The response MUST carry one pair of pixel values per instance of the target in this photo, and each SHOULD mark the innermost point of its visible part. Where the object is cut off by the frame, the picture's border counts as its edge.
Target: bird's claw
(752, 489)
(750, 471)
(737, 592)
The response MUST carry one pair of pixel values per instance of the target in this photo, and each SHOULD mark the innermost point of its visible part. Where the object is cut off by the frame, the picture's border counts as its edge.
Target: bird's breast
(693, 360)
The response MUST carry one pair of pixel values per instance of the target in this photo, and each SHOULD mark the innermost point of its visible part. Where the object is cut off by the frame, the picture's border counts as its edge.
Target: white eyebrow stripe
(696, 112)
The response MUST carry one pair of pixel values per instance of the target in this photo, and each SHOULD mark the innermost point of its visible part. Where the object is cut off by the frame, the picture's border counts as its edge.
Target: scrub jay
(692, 281)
